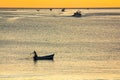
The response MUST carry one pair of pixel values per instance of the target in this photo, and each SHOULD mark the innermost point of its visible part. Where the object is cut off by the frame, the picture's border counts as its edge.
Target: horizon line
(59, 7)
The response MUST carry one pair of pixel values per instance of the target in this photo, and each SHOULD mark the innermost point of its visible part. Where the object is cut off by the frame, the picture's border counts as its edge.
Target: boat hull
(76, 15)
(48, 57)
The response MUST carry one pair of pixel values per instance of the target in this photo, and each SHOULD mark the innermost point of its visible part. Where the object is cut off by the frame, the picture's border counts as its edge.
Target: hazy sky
(60, 3)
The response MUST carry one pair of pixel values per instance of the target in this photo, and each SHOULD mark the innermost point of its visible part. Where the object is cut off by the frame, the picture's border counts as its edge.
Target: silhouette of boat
(47, 57)
(63, 10)
(50, 9)
(77, 14)
(37, 10)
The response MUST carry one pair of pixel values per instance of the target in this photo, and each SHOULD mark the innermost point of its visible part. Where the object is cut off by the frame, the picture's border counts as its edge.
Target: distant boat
(37, 10)
(50, 9)
(77, 14)
(63, 10)
(47, 57)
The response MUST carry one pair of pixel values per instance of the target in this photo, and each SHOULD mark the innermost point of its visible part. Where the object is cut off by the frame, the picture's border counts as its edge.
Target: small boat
(50, 9)
(47, 57)
(37, 10)
(63, 10)
(77, 14)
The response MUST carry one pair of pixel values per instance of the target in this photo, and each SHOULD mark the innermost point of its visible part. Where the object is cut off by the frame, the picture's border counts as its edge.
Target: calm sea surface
(86, 48)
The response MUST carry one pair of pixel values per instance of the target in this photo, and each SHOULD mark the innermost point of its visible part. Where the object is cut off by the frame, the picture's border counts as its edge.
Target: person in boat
(77, 14)
(35, 54)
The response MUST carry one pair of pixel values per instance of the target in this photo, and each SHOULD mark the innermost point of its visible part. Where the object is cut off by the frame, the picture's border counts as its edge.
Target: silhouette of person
(35, 54)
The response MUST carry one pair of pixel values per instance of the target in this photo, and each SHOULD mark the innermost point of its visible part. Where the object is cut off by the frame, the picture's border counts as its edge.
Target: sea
(85, 48)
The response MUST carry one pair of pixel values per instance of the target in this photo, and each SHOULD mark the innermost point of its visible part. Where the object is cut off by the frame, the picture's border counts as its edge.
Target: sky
(60, 3)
